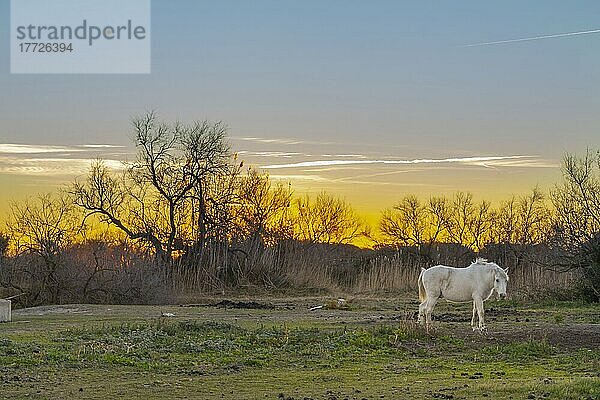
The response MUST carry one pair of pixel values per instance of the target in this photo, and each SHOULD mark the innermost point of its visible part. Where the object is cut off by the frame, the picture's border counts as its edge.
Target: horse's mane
(484, 261)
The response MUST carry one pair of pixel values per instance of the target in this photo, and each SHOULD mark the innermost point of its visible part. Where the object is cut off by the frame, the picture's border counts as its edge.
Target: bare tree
(5, 275)
(219, 201)
(479, 226)
(264, 209)
(534, 218)
(327, 219)
(152, 200)
(462, 210)
(438, 210)
(43, 227)
(577, 198)
(577, 203)
(505, 229)
(411, 223)
(4, 242)
(406, 224)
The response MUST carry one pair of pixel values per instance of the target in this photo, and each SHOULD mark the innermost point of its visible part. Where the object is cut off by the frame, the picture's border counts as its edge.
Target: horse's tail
(422, 295)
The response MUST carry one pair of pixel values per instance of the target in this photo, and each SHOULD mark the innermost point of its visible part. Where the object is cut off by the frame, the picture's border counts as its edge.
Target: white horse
(474, 283)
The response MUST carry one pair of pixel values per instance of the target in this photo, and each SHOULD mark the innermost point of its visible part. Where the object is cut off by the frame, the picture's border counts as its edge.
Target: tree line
(187, 215)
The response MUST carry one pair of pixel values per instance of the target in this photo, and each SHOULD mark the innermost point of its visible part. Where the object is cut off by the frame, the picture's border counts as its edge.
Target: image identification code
(38, 47)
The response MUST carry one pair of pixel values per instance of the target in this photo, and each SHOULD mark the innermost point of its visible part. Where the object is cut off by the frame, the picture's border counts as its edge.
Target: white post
(5, 312)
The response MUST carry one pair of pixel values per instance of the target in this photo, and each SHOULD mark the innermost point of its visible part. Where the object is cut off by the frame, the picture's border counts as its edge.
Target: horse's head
(500, 281)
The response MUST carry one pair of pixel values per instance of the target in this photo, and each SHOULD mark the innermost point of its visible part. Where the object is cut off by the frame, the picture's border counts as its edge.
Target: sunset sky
(370, 100)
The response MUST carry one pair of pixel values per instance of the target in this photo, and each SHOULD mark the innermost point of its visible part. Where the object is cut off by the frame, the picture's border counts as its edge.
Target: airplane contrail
(535, 38)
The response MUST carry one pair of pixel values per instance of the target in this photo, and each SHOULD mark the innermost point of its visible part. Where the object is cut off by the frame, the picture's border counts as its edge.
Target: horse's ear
(506, 270)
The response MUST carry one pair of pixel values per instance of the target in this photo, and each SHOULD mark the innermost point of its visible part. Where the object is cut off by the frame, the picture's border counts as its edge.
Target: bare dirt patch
(562, 336)
(244, 305)
(49, 310)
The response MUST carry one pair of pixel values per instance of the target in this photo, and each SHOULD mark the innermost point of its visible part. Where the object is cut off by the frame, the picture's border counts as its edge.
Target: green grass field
(372, 349)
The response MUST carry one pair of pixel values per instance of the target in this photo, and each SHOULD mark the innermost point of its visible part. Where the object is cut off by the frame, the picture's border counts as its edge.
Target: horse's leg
(422, 312)
(430, 304)
(474, 313)
(479, 304)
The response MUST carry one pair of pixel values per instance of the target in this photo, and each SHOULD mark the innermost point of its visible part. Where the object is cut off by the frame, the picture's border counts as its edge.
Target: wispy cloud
(52, 160)
(344, 155)
(299, 177)
(267, 140)
(523, 163)
(325, 163)
(287, 141)
(317, 179)
(102, 146)
(274, 154)
(51, 166)
(527, 39)
(375, 175)
(12, 148)
(330, 182)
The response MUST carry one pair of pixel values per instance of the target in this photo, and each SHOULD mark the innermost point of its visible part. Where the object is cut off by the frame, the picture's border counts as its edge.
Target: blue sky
(375, 79)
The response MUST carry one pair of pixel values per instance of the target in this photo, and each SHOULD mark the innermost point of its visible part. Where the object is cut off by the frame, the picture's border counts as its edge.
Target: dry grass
(387, 274)
(110, 274)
